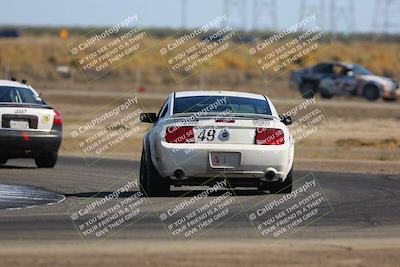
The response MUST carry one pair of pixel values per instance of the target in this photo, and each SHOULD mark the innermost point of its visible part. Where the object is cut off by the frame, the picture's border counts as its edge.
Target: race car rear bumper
(194, 160)
(15, 143)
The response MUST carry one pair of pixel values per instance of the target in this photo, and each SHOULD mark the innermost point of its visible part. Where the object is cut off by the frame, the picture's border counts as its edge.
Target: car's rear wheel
(151, 183)
(325, 93)
(284, 187)
(371, 92)
(47, 160)
(307, 89)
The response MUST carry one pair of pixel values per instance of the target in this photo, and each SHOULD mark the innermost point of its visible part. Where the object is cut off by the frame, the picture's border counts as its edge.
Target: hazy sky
(167, 13)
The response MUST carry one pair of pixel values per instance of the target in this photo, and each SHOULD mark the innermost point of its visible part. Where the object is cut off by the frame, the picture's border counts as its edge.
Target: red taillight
(183, 134)
(269, 136)
(25, 135)
(57, 118)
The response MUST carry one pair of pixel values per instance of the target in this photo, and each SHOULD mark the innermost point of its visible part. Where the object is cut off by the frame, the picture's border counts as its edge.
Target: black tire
(47, 160)
(3, 161)
(325, 94)
(151, 183)
(264, 187)
(371, 92)
(284, 187)
(307, 89)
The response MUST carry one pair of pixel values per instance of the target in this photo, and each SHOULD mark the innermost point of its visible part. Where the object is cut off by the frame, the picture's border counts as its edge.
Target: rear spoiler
(233, 115)
(22, 105)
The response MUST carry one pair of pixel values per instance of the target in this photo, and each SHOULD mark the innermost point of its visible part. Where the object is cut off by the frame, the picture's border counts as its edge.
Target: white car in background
(202, 137)
(29, 127)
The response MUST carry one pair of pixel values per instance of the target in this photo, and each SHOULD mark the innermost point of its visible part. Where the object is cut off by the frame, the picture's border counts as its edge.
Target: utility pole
(265, 15)
(236, 9)
(183, 13)
(342, 11)
(313, 7)
(385, 13)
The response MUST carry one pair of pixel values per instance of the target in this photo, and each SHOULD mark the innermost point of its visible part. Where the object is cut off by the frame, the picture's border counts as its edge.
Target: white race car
(202, 137)
(29, 127)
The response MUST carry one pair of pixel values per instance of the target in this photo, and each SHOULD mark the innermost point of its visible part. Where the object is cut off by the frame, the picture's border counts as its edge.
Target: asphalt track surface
(359, 205)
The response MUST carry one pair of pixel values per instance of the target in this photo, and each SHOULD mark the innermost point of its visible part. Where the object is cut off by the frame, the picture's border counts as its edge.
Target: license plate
(22, 125)
(225, 159)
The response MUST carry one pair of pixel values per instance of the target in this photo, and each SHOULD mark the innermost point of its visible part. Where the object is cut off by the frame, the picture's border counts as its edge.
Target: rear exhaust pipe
(270, 175)
(179, 174)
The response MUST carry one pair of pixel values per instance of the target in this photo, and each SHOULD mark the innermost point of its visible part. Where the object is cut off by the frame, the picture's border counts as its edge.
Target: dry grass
(36, 59)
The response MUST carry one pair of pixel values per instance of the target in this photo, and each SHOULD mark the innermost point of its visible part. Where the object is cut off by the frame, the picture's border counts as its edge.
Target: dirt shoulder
(350, 166)
(358, 252)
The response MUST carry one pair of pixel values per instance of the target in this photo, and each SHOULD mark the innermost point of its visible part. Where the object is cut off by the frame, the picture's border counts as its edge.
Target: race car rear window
(217, 104)
(18, 95)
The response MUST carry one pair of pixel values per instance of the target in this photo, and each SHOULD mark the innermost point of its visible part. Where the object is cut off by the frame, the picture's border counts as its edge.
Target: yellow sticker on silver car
(46, 118)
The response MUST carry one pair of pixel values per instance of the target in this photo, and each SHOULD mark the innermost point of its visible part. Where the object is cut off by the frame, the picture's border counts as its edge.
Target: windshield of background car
(357, 69)
(323, 68)
(221, 104)
(18, 95)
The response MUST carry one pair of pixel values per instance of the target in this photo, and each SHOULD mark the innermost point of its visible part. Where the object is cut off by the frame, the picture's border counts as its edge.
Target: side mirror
(350, 74)
(148, 117)
(287, 120)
